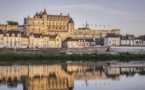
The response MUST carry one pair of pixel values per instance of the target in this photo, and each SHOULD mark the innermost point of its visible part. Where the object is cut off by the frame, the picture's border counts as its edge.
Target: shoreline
(19, 58)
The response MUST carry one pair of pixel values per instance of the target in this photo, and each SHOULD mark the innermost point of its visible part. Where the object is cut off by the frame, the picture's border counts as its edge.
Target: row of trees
(73, 57)
(12, 23)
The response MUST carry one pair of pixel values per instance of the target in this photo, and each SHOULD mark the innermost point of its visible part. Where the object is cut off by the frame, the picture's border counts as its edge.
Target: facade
(112, 40)
(24, 42)
(87, 33)
(131, 40)
(78, 43)
(45, 24)
(136, 42)
(12, 39)
(1, 39)
(5, 28)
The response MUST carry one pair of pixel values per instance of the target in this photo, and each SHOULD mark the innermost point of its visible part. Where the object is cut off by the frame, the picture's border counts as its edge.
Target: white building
(130, 40)
(1, 39)
(136, 42)
(111, 41)
(12, 39)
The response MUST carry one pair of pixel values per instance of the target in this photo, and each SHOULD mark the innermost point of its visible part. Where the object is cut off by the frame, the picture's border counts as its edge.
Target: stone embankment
(129, 49)
(57, 50)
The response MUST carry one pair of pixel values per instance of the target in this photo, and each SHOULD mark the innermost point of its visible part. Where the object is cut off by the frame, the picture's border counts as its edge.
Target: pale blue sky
(127, 15)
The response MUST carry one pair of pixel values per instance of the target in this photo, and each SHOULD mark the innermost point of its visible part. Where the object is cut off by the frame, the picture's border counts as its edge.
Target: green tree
(12, 23)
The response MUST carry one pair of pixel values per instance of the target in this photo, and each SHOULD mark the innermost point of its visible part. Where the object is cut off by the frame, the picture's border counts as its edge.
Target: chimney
(68, 14)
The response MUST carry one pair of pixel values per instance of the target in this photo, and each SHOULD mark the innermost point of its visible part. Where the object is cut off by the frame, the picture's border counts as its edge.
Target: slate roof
(1, 31)
(72, 39)
(71, 20)
(15, 32)
(52, 36)
(111, 35)
(35, 35)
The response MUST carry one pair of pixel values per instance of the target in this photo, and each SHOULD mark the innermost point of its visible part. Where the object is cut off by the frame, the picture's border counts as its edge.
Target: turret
(68, 14)
(37, 14)
(71, 25)
(45, 12)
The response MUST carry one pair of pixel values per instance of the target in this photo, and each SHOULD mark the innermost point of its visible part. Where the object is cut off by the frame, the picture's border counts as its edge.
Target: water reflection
(63, 77)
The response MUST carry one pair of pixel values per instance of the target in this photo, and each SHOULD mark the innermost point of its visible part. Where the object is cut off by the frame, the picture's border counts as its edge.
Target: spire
(28, 16)
(37, 14)
(45, 11)
(71, 20)
(86, 24)
(68, 14)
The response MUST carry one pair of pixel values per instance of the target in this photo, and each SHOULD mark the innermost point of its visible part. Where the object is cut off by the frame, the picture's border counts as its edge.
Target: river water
(70, 77)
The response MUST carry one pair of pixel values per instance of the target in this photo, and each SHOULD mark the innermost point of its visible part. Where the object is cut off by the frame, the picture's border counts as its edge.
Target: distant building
(1, 39)
(51, 31)
(131, 40)
(6, 28)
(112, 40)
(127, 40)
(78, 43)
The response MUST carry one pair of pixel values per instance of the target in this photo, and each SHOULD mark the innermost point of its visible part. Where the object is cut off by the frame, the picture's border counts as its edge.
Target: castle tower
(71, 25)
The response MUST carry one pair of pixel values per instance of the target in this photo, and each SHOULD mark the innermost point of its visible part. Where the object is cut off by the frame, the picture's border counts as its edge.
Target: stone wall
(86, 50)
(56, 50)
(130, 49)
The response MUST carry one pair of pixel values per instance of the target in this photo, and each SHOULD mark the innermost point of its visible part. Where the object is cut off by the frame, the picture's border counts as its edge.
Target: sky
(127, 15)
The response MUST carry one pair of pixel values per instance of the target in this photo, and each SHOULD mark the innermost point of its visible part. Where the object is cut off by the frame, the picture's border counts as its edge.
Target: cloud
(118, 12)
(99, 9)
(79, 6)
(91, 7)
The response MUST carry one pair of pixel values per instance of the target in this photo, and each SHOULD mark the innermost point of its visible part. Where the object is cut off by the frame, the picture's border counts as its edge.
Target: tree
(12, 23)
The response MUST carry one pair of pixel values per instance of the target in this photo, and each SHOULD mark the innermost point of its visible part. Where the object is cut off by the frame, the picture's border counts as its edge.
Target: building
(112, 40)
(131, 40)
(44, 41)
(5, 28)
(127, 40)
(24, 42)
(87, 33)
(12, 39)
(1, 39)
(50, 31)
(78, 43)
(45, 24)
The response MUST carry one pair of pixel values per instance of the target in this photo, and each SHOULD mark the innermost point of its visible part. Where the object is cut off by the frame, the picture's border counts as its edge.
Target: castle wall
(5, 28)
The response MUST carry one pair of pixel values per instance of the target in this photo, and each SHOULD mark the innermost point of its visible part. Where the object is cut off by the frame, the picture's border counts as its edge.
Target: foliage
(47, 58)
(12, 23)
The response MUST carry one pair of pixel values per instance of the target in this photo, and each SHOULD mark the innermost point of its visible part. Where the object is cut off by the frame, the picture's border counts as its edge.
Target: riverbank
(19, 58)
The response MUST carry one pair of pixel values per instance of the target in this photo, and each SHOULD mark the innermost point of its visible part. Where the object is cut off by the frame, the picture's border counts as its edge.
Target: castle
(50, 31)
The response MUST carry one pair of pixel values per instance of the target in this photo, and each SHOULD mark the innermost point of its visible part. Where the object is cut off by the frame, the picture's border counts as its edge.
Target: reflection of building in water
(54, 77)
(48, 83)
(124, 67)
(88, 72)
(13, 72)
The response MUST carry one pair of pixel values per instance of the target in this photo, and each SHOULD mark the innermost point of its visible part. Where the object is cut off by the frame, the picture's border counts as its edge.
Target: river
(71, 77)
